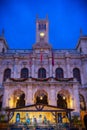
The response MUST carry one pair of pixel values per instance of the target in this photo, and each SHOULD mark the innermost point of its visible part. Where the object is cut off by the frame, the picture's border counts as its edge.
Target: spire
(81, 32)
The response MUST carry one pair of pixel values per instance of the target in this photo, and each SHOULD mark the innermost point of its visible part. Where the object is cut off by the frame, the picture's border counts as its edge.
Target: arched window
(59, 73)
(41, 73)
(76, 74)
(24, 73)
(42, 26)
(3, 50)
(7, 74)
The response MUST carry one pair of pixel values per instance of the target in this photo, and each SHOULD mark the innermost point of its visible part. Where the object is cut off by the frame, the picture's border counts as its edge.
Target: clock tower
(42, 36)
(42, 30)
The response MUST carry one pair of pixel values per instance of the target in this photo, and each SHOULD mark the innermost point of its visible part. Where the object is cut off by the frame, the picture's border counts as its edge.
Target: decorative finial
(81, 32)
(3, 32)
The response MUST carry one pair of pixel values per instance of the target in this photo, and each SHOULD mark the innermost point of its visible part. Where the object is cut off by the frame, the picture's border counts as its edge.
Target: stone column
(15, 68)
(84, 70)
(52, 96)
(29, 95)
(33, 67)
(68, 74)
(76, 101)
(5, 98)
(50, 68)
(1, 76)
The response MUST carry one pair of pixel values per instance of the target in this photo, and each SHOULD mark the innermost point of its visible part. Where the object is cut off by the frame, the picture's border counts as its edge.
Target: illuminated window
(41, 73)
(59, 73)
(24, 73)
(76, 74)
(7, 74)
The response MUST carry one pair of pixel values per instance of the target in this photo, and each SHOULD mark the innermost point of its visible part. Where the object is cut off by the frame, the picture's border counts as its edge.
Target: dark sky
(66, 17)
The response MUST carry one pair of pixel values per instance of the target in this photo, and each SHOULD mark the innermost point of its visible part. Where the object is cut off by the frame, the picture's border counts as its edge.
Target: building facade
(43, 74)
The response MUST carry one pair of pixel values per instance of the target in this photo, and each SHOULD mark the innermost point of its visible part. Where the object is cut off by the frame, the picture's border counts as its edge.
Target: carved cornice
(30, 82)
(41, 45)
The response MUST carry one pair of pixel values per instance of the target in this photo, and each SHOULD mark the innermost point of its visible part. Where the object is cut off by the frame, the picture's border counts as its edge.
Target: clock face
(42, 34)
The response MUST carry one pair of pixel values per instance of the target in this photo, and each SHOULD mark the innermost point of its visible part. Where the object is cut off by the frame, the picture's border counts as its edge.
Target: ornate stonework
(41, 57)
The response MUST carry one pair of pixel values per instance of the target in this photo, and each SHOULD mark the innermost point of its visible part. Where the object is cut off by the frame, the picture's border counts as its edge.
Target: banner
(41, 57)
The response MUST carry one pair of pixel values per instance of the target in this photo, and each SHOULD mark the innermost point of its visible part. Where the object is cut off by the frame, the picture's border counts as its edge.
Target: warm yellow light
(11, 102)
(42, 34)
(17, 98)
(41, 97)
(64, 97)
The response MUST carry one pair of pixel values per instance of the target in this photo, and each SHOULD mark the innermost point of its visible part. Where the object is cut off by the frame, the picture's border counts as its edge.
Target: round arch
(6, 74)
(17, 99)
(41, 72)
(41, 97)
(63, 99)
(77, 74)
(59, 73)
(24, 73)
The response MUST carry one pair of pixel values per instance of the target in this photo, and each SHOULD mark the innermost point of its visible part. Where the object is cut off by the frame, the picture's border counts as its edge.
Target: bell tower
(42, 30)
(42, 35)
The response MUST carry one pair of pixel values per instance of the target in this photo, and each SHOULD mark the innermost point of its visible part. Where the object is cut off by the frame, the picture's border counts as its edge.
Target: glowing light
(17, 98)
(41, 97)
(64, 97)
(42, 34)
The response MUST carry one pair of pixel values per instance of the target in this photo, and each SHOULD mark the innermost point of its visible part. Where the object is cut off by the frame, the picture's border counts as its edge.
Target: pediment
(39, 107)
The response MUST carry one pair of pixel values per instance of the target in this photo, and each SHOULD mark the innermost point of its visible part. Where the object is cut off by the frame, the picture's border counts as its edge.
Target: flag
(30, 60)
(41, 57)
(52, 59)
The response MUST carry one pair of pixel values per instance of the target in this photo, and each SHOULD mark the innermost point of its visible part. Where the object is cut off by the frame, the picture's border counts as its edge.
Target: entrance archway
(19, 98)
(41, 97)
(63, 99)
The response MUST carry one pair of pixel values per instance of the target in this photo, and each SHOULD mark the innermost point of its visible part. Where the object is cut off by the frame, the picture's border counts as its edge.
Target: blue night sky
(66, 17)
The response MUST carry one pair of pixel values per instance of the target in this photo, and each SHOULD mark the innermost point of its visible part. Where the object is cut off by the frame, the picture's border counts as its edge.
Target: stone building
(43, 74)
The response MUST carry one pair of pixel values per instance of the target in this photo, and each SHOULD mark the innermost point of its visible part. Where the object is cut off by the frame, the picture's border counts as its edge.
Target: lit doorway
(61, 101)
(20, 100)
(41, 97)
